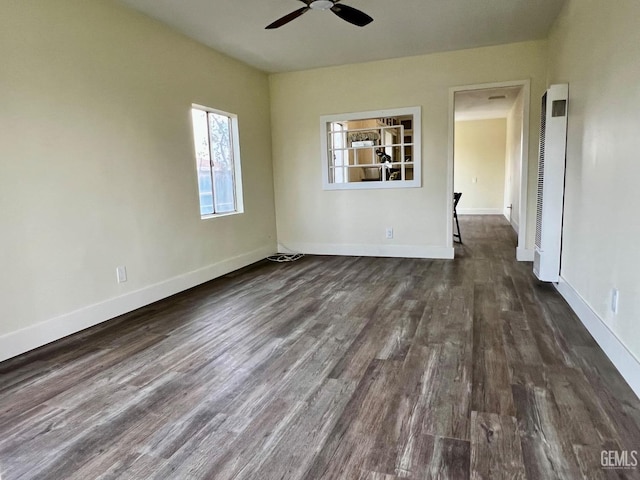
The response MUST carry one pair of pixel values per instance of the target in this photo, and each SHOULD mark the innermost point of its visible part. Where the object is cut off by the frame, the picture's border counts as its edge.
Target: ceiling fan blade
(287, 18)
(351, 15)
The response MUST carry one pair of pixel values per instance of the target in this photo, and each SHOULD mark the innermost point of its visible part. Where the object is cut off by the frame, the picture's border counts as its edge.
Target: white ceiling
(476, 105)
(319, 38)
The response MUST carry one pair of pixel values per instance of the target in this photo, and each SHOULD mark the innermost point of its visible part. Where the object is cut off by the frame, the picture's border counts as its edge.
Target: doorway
(488, 153)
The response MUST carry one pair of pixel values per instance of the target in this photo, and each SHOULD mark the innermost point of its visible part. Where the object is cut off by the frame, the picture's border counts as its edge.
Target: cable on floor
(285, 257)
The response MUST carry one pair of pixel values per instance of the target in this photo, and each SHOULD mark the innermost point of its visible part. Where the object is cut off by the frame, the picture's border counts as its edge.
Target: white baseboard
(626, 363)
(34, 336)
(515, 225)
(479, 211)
(357, 250)
(524, 254)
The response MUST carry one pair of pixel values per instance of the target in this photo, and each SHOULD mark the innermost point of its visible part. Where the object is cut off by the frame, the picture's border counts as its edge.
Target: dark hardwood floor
(329, 368)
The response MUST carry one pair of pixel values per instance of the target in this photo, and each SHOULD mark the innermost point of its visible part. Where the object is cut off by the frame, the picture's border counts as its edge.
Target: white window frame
(325, 128)
(237, 169)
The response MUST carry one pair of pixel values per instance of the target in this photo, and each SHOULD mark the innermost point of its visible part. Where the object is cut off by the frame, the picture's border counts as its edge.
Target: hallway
(332, 368)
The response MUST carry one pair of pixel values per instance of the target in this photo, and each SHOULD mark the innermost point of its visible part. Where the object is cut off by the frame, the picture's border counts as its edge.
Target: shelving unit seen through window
(371, 152)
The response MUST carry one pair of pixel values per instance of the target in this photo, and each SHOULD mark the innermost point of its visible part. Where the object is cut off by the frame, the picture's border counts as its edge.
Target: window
(379, 149)
(215, 135)
(340, 157)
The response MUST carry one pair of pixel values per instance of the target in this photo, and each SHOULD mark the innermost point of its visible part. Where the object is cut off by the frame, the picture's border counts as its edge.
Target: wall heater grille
(551, 173)
(543, 122)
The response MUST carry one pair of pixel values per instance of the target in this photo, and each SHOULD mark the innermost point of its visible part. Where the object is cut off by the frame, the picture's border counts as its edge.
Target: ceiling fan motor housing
(321, 4)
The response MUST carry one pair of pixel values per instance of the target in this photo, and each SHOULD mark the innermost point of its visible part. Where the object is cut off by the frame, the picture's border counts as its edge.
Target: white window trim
(326, 120)
(237, 169)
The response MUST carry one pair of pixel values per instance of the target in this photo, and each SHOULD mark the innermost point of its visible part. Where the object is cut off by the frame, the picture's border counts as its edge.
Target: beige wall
(480, 150)
(311, 219)
(97, 165)
(513, 160)
(595, 47)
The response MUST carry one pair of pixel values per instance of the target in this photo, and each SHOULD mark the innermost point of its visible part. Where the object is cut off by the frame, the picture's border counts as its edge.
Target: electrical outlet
(614, 300)
(474, 180)
(121, 274)
(389, 233)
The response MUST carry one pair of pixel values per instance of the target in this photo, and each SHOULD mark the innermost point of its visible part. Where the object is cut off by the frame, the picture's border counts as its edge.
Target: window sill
(372, 185)
(219, 215)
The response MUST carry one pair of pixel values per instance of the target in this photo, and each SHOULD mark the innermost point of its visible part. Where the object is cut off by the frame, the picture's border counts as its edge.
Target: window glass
(217, 161)
(372, 149)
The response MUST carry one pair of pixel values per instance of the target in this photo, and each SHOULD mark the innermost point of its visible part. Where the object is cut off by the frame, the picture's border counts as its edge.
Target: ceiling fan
(345, 12)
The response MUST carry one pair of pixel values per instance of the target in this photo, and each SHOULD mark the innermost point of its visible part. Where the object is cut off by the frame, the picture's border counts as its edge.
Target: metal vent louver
(543, 121)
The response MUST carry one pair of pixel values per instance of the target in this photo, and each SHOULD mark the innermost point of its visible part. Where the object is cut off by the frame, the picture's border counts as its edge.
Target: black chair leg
(457, 235)
(456, 199)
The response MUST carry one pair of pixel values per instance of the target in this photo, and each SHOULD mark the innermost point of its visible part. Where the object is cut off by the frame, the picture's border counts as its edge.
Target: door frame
(522, 254)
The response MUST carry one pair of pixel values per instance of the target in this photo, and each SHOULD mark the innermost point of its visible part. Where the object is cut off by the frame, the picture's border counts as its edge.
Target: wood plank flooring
(329, 368)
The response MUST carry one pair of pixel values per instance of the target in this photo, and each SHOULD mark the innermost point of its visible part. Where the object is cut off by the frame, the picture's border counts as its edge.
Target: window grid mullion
(232, 154)
(211, 165)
